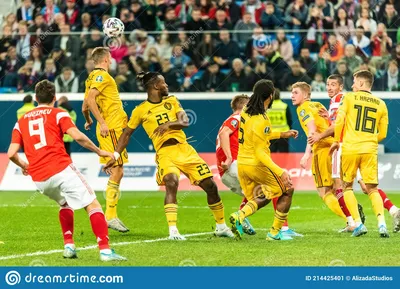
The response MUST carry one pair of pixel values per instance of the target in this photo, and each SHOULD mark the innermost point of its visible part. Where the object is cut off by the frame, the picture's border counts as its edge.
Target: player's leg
(171, 182)
(281, 213)
(285, 227)
(66, 217)
(369, 174)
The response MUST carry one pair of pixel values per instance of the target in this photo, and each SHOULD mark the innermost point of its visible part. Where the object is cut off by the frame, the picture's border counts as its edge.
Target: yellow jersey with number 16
(363, 118)
(108, 102)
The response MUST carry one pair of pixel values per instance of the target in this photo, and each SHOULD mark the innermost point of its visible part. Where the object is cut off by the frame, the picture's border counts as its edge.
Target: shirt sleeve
(341, 117)
(383, 124)
(177, 105)
(305, 115)
(136, 118)
(231, 123)
(64, 121)
(16, 136)
(100, 82)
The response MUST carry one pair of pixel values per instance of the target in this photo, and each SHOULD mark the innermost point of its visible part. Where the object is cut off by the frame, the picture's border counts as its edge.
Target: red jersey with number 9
(40, 132)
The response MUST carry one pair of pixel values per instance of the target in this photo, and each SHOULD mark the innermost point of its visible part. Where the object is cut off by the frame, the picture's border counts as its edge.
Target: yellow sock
(218, 212)
(279, 219)
(249, 209)
(112, 196)
(377, 206)
(171, 212)
(352, 205)
(333, 204)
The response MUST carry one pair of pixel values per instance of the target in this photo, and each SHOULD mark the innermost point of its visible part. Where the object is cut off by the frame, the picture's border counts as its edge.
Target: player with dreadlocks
(164, 119)
(260, 178)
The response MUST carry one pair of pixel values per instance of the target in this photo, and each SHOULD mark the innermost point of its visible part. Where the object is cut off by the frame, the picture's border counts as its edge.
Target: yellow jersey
(108, 102)
(308, 111)
(363, 119)
(255, 133)
(151, 115)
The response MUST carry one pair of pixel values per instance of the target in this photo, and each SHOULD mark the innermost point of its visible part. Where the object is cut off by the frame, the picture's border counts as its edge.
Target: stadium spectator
(96, 10)
(179, 59)
(186, 44)
(24, 41)
(350, 7)
(318, 84)
(143, 41)
(212, 80)
(89, 66)
(295, 75)
(196, 25)
(60, 59)
(316, 34)
(11, 20)
(220, 22)
(147, 15)
(188, 83)
(184, 11)
(277, 64)
(347, 75)
(129, 20)
(205, 50)
(237, 79)
(233, 11)
(255, 7)
(284, 46)
(27, 79)
(37, 58)
(64, 104)
(6, 40)
(364, 4)
(25, 12)
(206, 8)
(50, 70)
(333, 47)
(260, 70)
(309, 64)
(72, 14)
(350, 58)
(296, 15)
(152, 59)
(10, 64)
(343, 26)
(326, 12)
(243, 25)
(92, 40)
(39, 26)
(28, 105)
(49, 11)
(171, 75)
(382, 7)
(361, 42)
(226, 50)
(367, 22)
(66, 81)
(381, 43)
(114, 9)
(271, 17)
(171, 23)
(396, 54)
(391, 19)
(70, 44)
(84, 25)
(127, 83)
(390, 80)
(251, 44)
(164, 46)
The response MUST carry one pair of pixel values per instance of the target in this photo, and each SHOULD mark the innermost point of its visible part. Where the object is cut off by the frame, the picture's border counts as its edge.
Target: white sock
(173, 230)
(393, 210)
(284, 228)
(106, 251)
(350, 221)
(358, 224)
(221, 226)
(381, 224)
(72, 246)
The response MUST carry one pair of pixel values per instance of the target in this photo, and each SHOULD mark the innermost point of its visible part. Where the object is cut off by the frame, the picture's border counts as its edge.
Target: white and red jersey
(334, 106)
(40, 132)
(232, 123)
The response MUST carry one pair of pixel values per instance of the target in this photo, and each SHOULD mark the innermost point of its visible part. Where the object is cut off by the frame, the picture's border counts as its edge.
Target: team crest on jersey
(234, 123)
(267, 129)
(167, 105)
(99, 78)
(302, 113)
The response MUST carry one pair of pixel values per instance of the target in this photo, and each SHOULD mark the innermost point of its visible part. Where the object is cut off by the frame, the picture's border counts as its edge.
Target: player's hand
(226, 164)
(109, 165)
(287, 181)
(290, 133)
(313, 138)
(24, 169)
(104, 130)
(159, 131)
(304, 161)
(88, 123)
(334, 147)
(323, 113)
(106, 154)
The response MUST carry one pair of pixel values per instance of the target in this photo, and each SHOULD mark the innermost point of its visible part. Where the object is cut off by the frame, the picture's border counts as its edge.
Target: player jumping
(163, 119)
(363, 119)
(312, 122)
(40, 132)
(260, 178)
(103, 101)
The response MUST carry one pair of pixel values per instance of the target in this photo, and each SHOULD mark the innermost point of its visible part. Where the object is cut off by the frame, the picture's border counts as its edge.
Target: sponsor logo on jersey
(167, 105)
(306, 117)
(99, 78)
(302, 112)
(234, 123)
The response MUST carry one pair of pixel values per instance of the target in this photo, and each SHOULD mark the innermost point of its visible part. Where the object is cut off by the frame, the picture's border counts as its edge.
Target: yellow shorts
(109, 144)
(322, 168)
(181, 158)
(367, 163)
(259, 181)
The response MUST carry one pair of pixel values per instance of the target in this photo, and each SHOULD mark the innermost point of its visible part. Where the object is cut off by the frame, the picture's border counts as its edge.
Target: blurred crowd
(201, 45)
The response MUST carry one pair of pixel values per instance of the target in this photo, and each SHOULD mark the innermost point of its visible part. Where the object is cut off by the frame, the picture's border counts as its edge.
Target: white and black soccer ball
(113, 27)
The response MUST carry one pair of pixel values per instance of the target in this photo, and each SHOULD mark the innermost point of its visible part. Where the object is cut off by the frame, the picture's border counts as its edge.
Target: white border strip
(192, 95)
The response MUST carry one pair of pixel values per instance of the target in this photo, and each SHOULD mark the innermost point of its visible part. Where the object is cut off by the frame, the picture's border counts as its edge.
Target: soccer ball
(113, 27)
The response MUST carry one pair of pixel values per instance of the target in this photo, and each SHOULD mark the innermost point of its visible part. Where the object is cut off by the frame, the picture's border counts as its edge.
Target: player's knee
(290, 192)
(209, 185)
(171, 181)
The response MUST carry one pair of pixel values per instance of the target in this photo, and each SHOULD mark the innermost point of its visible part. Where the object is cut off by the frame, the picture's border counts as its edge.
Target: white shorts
(336, 163)
(231, 179)
(68, 187)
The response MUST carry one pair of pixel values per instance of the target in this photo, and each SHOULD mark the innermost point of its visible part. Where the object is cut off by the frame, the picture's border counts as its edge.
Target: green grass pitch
(29, 224)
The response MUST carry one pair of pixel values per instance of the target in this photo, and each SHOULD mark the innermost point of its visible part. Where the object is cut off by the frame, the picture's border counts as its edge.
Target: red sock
(66, 216)
(274, 202)
(386, 202)
(342, 203)
(99, 227)
(244, 202)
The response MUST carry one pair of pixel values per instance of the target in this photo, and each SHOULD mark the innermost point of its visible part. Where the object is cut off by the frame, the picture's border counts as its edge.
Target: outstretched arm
(14, 157)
